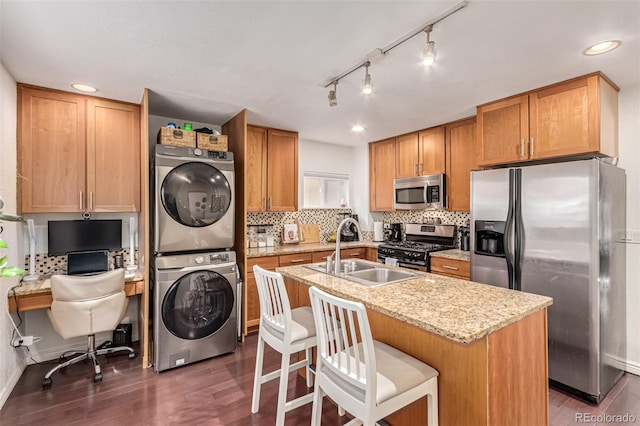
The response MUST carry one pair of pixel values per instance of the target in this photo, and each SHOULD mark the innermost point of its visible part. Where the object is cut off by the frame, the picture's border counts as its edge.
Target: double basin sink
(365, 273)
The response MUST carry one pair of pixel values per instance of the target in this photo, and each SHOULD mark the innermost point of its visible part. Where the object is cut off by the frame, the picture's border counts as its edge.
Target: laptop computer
(87, 262)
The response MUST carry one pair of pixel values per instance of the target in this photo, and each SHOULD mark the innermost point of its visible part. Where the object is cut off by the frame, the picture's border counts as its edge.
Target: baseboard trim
(11, 383)
(632, 367)
(622, 364)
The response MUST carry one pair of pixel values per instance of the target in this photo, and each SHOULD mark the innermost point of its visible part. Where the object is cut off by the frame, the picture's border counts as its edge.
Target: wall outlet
(23, 341)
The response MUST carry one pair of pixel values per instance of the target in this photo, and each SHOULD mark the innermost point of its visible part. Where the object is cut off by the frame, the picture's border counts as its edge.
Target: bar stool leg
(308, 354)
(282, 390)
(257, 380)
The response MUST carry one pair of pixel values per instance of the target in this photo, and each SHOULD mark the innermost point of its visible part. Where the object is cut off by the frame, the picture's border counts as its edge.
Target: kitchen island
(489, 344)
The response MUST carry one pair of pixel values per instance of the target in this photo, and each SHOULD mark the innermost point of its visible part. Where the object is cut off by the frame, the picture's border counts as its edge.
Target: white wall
(12, 361)
(629, 104)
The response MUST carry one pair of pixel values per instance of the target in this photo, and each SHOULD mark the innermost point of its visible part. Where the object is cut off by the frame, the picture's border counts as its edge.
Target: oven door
(416, 266)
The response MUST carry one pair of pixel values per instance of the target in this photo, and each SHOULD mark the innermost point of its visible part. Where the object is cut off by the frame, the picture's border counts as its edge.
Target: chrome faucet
(336, 268)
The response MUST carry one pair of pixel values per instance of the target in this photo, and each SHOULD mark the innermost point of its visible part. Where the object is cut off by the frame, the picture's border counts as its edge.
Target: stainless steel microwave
(420, 193)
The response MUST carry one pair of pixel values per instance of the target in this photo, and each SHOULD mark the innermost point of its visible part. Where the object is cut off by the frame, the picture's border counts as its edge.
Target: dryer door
(195, 194)
(197, 305)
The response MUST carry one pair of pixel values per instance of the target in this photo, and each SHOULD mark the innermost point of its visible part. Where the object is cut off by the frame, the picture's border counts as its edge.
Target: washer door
(197, 305)
(195, 194)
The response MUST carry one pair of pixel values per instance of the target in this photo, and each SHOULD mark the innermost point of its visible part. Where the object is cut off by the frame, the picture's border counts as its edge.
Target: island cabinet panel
(517, 360)
(498, 379)
(382, 171)
(251, 300)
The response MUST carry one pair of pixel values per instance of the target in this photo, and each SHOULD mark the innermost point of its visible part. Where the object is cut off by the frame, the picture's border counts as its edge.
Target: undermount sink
(379, 276)
(354, 266)
(366, 273)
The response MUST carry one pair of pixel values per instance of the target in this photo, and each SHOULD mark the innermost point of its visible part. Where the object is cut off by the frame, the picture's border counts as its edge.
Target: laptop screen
(87, 262)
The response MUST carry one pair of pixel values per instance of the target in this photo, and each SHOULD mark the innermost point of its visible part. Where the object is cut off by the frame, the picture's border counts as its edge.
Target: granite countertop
(43, 285)
(306, 248)
(460, 310)
(455, 254)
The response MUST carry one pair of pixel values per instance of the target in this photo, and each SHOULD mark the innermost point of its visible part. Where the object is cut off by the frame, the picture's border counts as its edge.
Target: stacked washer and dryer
(194, 276)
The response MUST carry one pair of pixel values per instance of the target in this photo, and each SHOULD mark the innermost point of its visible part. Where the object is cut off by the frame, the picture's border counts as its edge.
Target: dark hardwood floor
(211, 392)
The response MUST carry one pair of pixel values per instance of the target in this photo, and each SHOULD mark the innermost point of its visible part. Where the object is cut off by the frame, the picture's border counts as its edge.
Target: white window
(325, 190)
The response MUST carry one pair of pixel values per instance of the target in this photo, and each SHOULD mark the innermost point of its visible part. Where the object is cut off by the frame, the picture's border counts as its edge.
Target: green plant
(8, 271)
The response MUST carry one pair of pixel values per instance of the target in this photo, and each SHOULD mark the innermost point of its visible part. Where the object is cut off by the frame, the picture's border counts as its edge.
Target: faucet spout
(346, 220)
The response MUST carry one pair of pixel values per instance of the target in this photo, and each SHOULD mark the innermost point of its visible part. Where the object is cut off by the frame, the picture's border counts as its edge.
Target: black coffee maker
(394, 232)
(349, 232)
(464, 238)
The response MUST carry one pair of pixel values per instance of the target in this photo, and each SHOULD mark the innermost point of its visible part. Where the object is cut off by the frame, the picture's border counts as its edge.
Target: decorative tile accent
(327, 220)
(46, 264)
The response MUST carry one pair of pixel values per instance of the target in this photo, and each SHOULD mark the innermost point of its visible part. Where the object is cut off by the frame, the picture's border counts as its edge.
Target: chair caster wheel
(97, 377)
(46, 383)
(132, 355)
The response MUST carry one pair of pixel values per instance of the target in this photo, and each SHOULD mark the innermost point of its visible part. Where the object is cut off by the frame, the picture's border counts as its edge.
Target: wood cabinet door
(353, 253)
(256, 169)
(564, 119)
(320, 256)
(461, 140)
(503, 131)
(282, 171)
(51, 151)
(382, 171)
(407, 155)
(372, 254)
(450, 267)
(113, 156)
(251, 299)
(432, 151)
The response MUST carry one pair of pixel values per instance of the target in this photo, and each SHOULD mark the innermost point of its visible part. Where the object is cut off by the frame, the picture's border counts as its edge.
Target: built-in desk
(37, 295)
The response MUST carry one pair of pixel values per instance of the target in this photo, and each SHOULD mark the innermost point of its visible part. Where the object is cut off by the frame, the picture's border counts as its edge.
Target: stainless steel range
(421, 239)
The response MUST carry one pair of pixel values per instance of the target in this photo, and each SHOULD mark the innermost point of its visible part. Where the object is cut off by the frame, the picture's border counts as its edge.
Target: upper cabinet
(420, 153)
(382, 171)
(460, 143)
(271, 170)
(77, 153)
(572, 118)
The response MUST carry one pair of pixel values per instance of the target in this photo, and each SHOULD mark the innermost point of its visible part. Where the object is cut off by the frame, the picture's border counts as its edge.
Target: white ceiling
(205, 61)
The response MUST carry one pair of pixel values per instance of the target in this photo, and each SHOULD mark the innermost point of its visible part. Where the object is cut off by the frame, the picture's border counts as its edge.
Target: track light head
(430, 50)
(333, 99)
(367, 87)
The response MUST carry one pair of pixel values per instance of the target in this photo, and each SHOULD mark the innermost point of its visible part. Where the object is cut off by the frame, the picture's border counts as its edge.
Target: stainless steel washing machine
(194, 199)
(195, 307)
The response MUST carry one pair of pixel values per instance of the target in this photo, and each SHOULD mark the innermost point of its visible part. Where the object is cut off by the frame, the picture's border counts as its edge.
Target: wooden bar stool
(367, 378)
(288, 332)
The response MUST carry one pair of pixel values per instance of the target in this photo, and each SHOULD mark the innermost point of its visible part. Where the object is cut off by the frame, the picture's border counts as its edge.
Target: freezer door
(489, 202)
(560, 260)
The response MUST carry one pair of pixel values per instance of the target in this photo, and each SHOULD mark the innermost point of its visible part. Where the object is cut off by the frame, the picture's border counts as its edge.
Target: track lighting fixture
(430, 50)
(380, 52)
(367, 88)
(333, 99)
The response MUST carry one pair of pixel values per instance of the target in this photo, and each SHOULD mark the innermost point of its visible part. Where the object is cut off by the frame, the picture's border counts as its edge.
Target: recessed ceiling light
(357, 128)
(602, 47)
(84, 87)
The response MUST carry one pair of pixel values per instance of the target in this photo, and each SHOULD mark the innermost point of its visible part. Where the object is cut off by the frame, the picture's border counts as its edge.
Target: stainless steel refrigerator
(557, 230)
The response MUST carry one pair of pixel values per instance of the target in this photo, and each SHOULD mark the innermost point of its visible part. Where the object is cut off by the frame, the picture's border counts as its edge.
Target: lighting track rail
(378, 52)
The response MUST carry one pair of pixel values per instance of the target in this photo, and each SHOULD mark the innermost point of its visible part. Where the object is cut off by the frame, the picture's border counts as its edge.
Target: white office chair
(367, 378)
(84, 306)
(286, 330)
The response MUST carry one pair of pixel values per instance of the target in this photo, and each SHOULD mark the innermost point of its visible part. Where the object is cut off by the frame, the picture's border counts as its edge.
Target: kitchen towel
(390, 261)
(378, 234)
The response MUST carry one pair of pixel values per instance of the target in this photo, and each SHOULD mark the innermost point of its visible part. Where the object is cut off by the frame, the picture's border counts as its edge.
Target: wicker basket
(177, 137)
(212, 142)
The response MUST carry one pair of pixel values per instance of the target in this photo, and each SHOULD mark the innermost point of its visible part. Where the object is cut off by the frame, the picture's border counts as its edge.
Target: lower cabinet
(251, 301)
(452, 268)
(372, 254)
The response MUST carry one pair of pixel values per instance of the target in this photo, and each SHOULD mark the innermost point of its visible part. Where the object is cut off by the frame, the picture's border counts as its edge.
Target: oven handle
(412, 266)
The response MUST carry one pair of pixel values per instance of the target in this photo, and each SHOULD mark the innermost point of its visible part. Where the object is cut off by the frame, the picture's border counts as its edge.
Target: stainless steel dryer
(194, 199)
(195, 307)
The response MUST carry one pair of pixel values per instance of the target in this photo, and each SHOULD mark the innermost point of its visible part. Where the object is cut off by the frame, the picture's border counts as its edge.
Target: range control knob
(199, 259)
(197, 151)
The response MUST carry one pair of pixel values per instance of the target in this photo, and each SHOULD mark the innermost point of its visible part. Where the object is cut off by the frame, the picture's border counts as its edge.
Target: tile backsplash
(47, 265)
(328, 220)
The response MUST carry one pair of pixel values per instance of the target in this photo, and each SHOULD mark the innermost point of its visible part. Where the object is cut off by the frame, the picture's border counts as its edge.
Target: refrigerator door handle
(508, 255)
(518, 231)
